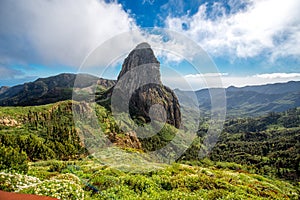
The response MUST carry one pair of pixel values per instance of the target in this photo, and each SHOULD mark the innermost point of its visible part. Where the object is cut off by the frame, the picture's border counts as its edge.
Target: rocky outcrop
(3, 89)
(140, 56)
(5, 121)
(168, 110)
(139, 87)
(126, 140)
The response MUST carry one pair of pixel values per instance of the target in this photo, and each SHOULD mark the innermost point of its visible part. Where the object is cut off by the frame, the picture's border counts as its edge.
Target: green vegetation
(43, 143)
(268, 145)
(13, 159)
(63, 186)
(42, 132)
(177, 181)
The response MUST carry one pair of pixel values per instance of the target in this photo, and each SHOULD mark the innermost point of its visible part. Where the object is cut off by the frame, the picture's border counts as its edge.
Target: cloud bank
(7, 73)
(199, 81)
(57, 32)
(268, 27)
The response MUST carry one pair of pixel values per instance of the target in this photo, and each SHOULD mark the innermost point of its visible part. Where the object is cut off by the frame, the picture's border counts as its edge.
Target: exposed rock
(106, 83)
(3, 89)
(141, 55)
(129, 140)
(9, 122)
(143, 99)
(139, 84)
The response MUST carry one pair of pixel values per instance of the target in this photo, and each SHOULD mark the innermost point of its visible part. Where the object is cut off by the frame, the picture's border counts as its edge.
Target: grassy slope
(175, 181)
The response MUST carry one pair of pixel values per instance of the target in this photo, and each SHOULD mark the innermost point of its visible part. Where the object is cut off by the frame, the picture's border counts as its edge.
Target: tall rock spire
(141, 55)
(139, 82)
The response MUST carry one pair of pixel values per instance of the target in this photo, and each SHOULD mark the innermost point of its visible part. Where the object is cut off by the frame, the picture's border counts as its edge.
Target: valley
(82, 137)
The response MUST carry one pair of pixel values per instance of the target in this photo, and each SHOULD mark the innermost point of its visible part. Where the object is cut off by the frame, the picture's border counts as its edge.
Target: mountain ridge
(248, 100)
(241, 101)
(49, 90)
(270, 88)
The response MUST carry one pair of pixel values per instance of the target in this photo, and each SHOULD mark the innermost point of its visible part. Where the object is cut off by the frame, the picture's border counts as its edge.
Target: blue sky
(251, 41)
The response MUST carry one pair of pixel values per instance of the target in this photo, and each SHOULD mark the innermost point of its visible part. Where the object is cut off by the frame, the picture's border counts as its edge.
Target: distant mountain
(49, 90)
(276, 88)
(3, 89)
(249, 100)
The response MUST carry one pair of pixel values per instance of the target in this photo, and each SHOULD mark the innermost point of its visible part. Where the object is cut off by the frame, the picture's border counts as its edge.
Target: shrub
(139, 183)
(12, 159)
(68, 177)
(229, 165)
(68, 188)
(15, 182)
(57, 166)
(61, 189)
(105, 182)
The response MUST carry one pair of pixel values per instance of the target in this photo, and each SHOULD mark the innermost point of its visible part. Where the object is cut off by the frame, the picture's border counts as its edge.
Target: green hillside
(247, 101)
(268, 144)
(43, 142)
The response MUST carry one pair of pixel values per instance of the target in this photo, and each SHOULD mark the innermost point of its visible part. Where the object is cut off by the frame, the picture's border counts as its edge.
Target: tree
(12, 159)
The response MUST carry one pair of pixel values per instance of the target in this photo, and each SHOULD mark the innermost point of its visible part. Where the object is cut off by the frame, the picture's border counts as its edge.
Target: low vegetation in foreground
(88, 179)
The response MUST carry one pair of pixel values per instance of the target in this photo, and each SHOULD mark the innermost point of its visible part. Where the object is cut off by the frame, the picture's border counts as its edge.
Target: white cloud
(264, 26)
(259, 79)
(278, 75)
(148, 1)
(169, 46)
(205, 75)
(58, 32)
(200, 81)
(8, 73)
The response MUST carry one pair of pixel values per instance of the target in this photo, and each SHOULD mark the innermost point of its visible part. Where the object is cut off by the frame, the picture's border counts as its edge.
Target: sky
(251, 42)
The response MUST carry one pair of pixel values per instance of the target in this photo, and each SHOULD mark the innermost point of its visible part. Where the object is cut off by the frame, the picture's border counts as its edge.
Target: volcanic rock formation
(139, 87)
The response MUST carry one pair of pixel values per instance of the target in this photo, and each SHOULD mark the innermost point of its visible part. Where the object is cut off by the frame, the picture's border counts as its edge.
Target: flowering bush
(15, 182)
(60, 189)
(63, 186)
(68, 177)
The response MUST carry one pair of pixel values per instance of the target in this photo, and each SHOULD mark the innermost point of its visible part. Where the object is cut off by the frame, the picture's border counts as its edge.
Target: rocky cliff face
(140, 56)
(6, 121)
(139, 84)
(128, 140)
(3, 89)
